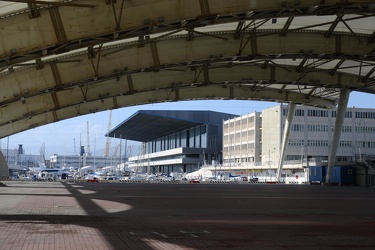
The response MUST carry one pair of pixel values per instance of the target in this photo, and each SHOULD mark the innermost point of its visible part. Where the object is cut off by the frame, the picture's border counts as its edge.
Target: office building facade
(174, 141)
(309, 141)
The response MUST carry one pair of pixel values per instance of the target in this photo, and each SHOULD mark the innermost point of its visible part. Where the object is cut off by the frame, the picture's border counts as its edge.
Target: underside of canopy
(62, 59)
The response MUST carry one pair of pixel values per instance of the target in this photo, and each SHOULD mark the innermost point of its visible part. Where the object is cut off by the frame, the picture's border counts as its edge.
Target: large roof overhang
(146, 125)
(61, 59)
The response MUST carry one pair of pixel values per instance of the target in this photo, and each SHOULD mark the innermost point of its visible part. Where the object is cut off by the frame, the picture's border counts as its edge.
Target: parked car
(92, 180)
(194, 181)
(110, 178)
(138, 178)
(254, 179)
(152, 177)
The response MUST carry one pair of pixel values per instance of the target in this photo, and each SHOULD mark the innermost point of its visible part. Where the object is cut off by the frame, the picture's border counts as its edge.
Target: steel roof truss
(371, 38)
(47, 3)
(58, 25)
(239, 30)
(313, 89)
(317, 63)
(155, 54)
(117, 19)
(252, 35)
(349, 28)
(130, 84)
(84, 90)
(210, 35)
(333, 26)
(243, 44)
(205, 8)
(337, 66)
(327, 23)
(190, 35)
(251, 26)
(142, 40)
(197, 73)
(33, 10)
(92, 53)
(281, 66)
(367, 77)
(356, 66)
(80, 43)
(56, 74)
(284, 31)
(300, 66)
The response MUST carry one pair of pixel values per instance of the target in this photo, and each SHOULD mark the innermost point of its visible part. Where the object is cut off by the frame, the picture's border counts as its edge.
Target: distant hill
(131, 150)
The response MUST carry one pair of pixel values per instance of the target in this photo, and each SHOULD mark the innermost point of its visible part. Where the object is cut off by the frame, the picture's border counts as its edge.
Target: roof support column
(288, 124)
(343, 103)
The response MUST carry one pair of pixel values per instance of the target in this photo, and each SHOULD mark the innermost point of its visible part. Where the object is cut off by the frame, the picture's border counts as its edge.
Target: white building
(242, 140)
(253, 141)
(76, 161)
(17, 159)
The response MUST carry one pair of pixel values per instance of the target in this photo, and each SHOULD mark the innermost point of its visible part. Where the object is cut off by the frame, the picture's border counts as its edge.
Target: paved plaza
(58, 215)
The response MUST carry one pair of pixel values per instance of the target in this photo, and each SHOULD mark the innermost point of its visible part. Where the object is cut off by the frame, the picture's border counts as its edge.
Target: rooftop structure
(174, 141)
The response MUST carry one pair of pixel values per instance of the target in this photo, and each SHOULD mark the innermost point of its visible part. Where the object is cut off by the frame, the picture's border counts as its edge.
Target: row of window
(238, 147)
(324, 143)
(320, 157)
(325, 128)
(194, 138)
(325, 113)
(366, 115)
(244, 120)
(369, 130)
(239, 136)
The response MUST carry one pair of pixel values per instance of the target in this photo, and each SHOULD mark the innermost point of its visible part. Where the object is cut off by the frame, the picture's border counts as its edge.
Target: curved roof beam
(60, 29)
(66, 61)
(160, 71)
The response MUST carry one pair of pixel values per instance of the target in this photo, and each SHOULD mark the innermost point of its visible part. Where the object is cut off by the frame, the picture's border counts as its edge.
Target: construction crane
(108, 142)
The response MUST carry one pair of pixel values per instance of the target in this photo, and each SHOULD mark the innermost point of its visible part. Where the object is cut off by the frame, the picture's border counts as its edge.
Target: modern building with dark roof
(174, 140)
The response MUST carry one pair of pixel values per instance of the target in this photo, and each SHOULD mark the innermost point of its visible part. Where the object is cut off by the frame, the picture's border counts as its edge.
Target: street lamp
(274, 159)
(269, 163)
(363, 124)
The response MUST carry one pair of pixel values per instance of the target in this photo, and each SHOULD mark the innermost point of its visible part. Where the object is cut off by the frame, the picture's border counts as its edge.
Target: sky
(65, 137)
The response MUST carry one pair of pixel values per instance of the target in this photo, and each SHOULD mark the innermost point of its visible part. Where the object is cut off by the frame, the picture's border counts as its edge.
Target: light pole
(364, 147)
(362, 123)
(269, 163)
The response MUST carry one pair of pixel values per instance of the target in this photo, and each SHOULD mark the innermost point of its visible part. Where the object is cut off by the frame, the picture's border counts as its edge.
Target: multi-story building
(17, 159)
(242, 140)
(259, 137)
(174, 141)
(76, 161)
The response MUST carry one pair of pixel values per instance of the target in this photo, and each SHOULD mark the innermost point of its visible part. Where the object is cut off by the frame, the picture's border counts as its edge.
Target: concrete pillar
(4, 170)
(288, 123)
(340, 116)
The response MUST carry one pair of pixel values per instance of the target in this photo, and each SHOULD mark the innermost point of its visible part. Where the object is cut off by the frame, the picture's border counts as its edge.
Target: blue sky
(59, 137)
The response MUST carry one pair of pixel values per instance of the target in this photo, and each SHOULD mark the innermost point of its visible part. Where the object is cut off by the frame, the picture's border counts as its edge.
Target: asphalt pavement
(69, 215)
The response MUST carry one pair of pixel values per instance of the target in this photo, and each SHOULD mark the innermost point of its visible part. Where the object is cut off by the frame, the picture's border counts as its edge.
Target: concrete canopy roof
(61, 59)
(147, 125)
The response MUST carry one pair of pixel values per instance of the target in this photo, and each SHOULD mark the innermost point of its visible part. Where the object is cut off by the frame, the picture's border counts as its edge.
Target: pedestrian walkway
(58, 215)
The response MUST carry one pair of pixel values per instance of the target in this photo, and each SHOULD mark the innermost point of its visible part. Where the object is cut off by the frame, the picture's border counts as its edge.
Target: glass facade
(196, 137)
